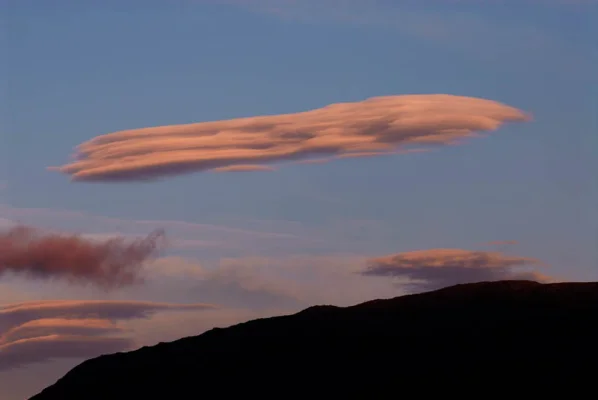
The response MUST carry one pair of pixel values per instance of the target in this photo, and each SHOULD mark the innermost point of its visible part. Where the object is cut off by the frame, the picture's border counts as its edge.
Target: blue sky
(75, 70)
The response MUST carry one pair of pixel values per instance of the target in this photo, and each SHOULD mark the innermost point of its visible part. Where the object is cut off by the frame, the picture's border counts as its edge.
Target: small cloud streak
(180, 233)
(114, 310)
(61, 326)
(38, 331)
(437, 268)
(378, 125)
(40, 255)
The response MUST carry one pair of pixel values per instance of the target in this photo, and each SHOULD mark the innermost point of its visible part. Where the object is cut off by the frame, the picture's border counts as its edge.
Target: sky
(293, 153)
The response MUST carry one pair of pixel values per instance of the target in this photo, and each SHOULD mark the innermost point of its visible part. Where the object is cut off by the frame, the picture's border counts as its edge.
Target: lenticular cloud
(376, 126)
(436, 268)
(39, 331)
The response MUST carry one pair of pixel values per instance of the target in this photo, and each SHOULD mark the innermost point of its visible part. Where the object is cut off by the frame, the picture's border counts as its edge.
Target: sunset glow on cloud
(376, 126)
(251, 159)
(113, 262)
(38, 331)
(436, 268)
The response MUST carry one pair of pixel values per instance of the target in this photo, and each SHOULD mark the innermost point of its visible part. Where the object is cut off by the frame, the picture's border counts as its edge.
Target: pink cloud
(31, 253)
(379, 125)
(435, 268)
(38, 331)
(61, 326)
(15, 314)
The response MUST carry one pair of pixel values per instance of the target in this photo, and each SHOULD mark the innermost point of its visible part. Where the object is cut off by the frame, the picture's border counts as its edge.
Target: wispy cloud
(28, 252)
(261, 283)
(60, 326)
(240, 285)
(182, 235)
(84, 222)
(377, 125)
(436, 268)
(225, 236)
(295, 282)
(463, 27)
(15, 314)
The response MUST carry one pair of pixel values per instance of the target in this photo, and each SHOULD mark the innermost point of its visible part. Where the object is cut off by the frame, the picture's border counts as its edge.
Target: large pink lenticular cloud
(376, 126)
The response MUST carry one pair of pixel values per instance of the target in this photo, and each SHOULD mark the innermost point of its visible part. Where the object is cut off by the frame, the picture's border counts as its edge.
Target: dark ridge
(318, 309)
(481, 337)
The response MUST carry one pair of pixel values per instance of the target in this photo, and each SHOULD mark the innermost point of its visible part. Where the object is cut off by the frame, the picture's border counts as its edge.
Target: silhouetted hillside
(502, 335)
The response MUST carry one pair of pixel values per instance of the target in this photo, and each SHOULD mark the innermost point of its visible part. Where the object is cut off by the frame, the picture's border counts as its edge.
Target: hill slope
(507, 334)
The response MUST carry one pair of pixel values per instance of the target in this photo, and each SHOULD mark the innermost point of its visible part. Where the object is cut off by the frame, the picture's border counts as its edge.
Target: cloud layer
(437, 268)
(221, 237)
(114, 262)
(239, 285)
(376, 126)
(288, 283)
(42, 330)
(37, 331)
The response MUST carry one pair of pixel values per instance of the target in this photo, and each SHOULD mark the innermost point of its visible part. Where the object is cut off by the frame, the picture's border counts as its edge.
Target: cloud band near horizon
(39, 331)
(376, 126)
(437, 268)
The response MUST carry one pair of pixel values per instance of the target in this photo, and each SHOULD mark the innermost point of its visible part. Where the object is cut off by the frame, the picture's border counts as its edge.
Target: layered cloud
(436, 268)
(288, 283)
(37, 254)
(19, 313)
(379, 125)
(42, 330)
(248, 287)
(61, 326)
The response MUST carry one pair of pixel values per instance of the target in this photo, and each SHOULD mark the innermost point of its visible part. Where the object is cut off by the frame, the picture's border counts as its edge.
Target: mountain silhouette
(481, 337)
